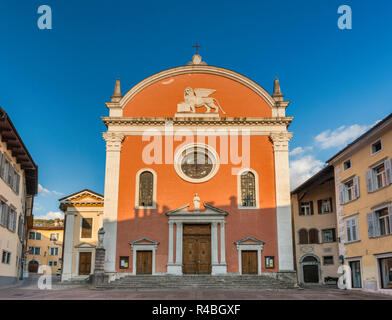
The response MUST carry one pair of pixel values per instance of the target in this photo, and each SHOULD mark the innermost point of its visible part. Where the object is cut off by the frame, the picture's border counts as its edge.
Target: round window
(196, 163)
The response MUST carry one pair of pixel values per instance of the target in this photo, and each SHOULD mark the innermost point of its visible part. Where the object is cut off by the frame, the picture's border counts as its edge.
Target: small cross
(196, 46)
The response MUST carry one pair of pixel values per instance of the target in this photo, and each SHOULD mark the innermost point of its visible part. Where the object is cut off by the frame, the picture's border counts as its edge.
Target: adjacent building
(18, 186)
(44, 247)
(315, 229)
(197, 176)
(363, 185)
(83, 213)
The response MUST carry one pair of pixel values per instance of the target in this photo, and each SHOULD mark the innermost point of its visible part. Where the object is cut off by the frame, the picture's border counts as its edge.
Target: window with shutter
(313, 236)
(388, 171)
(356, 187)
(370, 221)
(383, 221)
(369, 180)
(303, 236)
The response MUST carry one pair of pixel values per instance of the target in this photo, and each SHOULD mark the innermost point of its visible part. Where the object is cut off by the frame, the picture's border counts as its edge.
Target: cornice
(175, 121)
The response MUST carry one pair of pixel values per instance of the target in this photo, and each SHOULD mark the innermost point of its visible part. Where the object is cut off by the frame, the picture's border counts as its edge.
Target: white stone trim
(257, 190)
(202, 147)
(154, 189)
(249, 247)
(80, 226)
(144, 247)
(68, 247)
(181, 217)
(283, 201)
(81, 250)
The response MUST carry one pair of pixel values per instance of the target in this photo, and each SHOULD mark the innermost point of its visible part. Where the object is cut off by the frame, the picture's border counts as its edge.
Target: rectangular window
(386, 272)
(324, 206)
(306, 208)
(376, 147)
(329, 235)
(124, 262)
(50, 264)
(352, 230)
(34, 235)
(54, 236)
(35, 251)
(328, 260)
(54, 251)
(349, 191)
(6, 257)
(347, 165)
(87, 227)
(384, 221)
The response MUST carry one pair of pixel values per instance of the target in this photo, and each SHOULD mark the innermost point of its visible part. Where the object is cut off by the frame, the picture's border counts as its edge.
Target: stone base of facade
(288, 276)
(219, 269)
(174, 269)
(8, 281)
(99, 279)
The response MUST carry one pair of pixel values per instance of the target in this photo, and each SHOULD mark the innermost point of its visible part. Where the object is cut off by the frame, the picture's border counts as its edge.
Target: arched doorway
(33, 266)
(310, 266)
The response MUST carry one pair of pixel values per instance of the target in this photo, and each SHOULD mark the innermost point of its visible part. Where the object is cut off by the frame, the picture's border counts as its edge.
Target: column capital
(113, 140)
(281, 140)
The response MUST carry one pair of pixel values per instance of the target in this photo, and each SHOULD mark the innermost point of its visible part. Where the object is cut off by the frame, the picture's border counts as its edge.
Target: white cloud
(43, 191)
(51, 216)
(300, 150)
(303, 168)
(340, 137)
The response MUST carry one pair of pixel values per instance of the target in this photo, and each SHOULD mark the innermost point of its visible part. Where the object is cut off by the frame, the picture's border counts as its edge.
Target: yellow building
(83, 218)
(44, 247)
(18, 186)
(363, 179)
(314, 223)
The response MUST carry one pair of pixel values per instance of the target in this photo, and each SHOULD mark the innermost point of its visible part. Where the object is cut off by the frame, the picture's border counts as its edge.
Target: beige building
(44, 247)
(363, 179)
(314, 229)
(18, 186)
(83, 218)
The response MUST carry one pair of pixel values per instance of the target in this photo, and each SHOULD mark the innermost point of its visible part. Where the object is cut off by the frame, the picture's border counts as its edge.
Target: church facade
(197, 176)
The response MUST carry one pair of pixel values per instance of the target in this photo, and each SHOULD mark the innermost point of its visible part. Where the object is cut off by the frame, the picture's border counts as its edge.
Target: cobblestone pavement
(28, 289)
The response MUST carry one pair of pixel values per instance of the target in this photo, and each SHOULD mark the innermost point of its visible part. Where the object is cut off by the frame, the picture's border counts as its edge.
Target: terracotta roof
(14, 142)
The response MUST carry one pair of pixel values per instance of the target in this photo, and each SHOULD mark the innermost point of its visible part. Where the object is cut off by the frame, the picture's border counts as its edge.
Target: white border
(211, 152)
(154, 189)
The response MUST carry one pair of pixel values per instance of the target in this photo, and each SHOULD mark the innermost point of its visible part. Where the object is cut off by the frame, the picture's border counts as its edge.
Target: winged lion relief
(198, 98)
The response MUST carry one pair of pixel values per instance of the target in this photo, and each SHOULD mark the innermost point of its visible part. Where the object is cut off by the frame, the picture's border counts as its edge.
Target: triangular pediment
(249, 240)
(84, 197)
(209, 210)
(85, 245)
(144, 241)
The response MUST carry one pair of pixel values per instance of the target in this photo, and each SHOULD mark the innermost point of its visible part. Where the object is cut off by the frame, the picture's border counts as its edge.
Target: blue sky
(53, 83)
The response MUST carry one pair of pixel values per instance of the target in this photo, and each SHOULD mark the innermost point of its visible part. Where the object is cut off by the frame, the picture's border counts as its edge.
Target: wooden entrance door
(144, 262)
(84, 263)
(249, 262)
(311, 273)
(33, 266)
(196, 249)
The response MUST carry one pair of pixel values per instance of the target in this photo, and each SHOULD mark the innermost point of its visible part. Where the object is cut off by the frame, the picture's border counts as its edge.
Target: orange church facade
(197, 180)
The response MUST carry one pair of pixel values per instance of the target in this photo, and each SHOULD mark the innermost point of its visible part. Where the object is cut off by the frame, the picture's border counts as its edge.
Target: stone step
(149, 282)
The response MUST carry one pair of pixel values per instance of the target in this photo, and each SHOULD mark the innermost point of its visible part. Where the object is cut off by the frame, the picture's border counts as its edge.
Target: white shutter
(370, 222)
(356, 187)
(376, 221)
(341, 194)
(369, 181)
(354, 229)
(348, 231)
(388, 171)
(14, 221)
